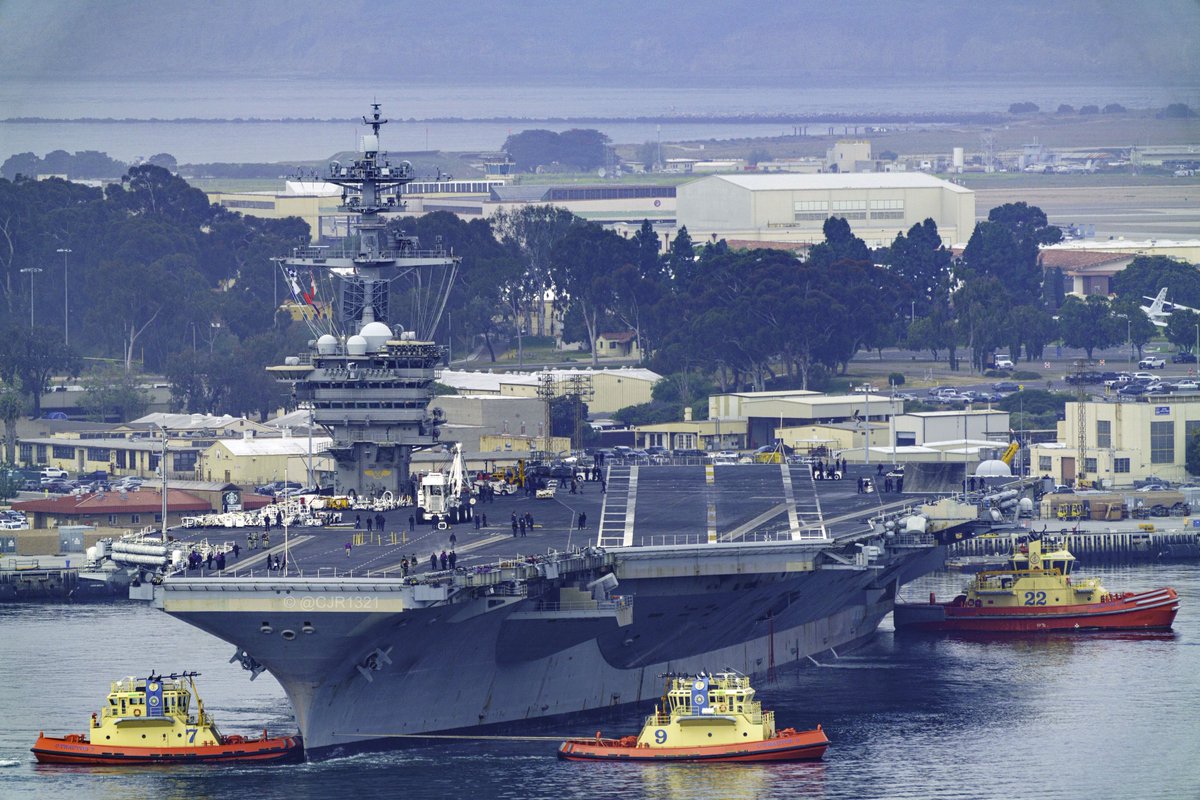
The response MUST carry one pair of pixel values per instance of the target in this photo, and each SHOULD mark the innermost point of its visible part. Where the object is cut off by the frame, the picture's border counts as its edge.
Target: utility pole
(66, 306)
(32, 271)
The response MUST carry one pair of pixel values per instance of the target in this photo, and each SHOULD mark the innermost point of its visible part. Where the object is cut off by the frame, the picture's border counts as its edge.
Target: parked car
(1006, 386)
(53, 473)
(1187, 385)
(1183, 358)
(276, 488)
(1003, 362)
(1143, 376)
(1152, 362)
(1132, 390)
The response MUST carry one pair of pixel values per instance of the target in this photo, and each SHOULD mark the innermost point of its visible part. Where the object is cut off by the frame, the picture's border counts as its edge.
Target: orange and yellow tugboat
(150, 721)
(705, 718)
(1035, 593)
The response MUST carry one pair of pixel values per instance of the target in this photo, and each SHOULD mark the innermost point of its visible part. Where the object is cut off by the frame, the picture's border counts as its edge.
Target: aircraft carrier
(673, 567)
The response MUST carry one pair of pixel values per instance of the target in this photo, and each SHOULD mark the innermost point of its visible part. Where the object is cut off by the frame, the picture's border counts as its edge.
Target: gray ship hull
(362, 666)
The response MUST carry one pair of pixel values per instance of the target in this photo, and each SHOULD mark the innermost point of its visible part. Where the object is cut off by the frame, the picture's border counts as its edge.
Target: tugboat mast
(368, 384)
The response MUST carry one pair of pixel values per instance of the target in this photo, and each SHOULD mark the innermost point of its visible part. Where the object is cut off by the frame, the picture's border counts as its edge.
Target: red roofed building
(1087, 271)
(134, 510)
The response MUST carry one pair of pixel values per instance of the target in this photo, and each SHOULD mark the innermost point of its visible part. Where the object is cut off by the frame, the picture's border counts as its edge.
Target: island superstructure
(680, 567)
(369, 384)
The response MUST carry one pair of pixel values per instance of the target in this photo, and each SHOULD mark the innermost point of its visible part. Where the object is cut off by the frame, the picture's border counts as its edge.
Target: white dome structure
(376, 335)
(993, 468)
(356, 346)
(327, 345)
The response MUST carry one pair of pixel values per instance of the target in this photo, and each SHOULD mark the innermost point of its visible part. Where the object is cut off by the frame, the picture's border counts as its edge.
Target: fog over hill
(700, 42)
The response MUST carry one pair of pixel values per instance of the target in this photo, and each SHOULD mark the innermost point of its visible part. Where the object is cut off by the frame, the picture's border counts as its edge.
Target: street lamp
(32, 271)
(66, 306)
(866, 424)
(162, 471)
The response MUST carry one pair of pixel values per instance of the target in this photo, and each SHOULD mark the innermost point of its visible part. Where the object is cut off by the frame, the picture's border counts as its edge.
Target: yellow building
(704, 434)
(252, 462)
(311, 201)
(610, 389)
(1124, 441)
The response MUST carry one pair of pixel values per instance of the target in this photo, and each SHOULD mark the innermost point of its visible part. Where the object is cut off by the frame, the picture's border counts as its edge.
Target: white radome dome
(993, 468)
(356, 346)
(376, 335)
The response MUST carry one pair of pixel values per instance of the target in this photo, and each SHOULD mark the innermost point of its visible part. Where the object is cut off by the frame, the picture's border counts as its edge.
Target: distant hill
(699, 42)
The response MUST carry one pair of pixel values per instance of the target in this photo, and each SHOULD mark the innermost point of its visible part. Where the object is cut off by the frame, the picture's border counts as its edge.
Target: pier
(40, 578)
(1095, 547)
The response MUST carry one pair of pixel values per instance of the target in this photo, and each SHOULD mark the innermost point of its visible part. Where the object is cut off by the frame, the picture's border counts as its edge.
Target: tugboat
(150, 721)
(1034, 593)
(704, 718)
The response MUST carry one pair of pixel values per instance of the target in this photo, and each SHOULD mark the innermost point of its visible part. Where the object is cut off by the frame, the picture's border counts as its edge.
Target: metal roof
(287, 446)
(838, 180)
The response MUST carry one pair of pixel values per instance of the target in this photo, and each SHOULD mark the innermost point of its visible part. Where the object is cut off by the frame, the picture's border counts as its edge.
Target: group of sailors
(195, 560)
(831, 471)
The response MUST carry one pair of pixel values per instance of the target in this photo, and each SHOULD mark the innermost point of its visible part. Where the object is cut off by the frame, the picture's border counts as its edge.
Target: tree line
(160, 280)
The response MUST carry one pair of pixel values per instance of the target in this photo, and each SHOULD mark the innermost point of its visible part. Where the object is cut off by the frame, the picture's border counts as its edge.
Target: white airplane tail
(1156, 305)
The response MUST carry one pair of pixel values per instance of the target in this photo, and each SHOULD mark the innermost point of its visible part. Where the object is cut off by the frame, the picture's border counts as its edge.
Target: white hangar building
(792, 208)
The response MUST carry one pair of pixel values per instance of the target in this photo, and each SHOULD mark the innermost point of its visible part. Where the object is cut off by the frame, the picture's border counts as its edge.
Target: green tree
(1030, 328)
(1181, 328)
(1007, 246)
(758, 155)
(33, 357)
(583, 264)
(935, 333)
(1088, 324)
(1146, 275)
(113, 395)
(1132, 324)
(1192, 455)
(532, 232)
(1177, 111)
(681, 261)
(840, 245)
(648, 154)
(981, 307)
(150, 190)
(12, 406)
(922, 266)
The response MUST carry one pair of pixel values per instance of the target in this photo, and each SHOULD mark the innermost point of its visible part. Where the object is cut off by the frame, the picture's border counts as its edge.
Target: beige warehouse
(249, 462)
(793, 208)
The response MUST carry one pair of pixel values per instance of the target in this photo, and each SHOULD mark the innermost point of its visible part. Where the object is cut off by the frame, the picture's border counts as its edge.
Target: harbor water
(910, 716)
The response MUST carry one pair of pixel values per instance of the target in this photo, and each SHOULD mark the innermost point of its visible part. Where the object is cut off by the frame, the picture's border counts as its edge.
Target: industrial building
(610, 389)
(1123, 442)
(794, 207)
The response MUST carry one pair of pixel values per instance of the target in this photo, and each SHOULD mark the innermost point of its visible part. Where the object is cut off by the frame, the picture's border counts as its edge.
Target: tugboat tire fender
(137, 712)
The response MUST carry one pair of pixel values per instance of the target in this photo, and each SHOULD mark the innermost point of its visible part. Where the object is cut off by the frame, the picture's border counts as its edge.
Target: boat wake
(10, 762)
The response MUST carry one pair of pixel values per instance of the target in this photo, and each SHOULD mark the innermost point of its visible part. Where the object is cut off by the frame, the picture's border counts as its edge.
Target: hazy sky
(688, 42)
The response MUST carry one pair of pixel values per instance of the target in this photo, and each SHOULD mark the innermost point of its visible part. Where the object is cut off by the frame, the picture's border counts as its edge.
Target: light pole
(866, 425)
(32, 271)
(66, 306)
(162, 471)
